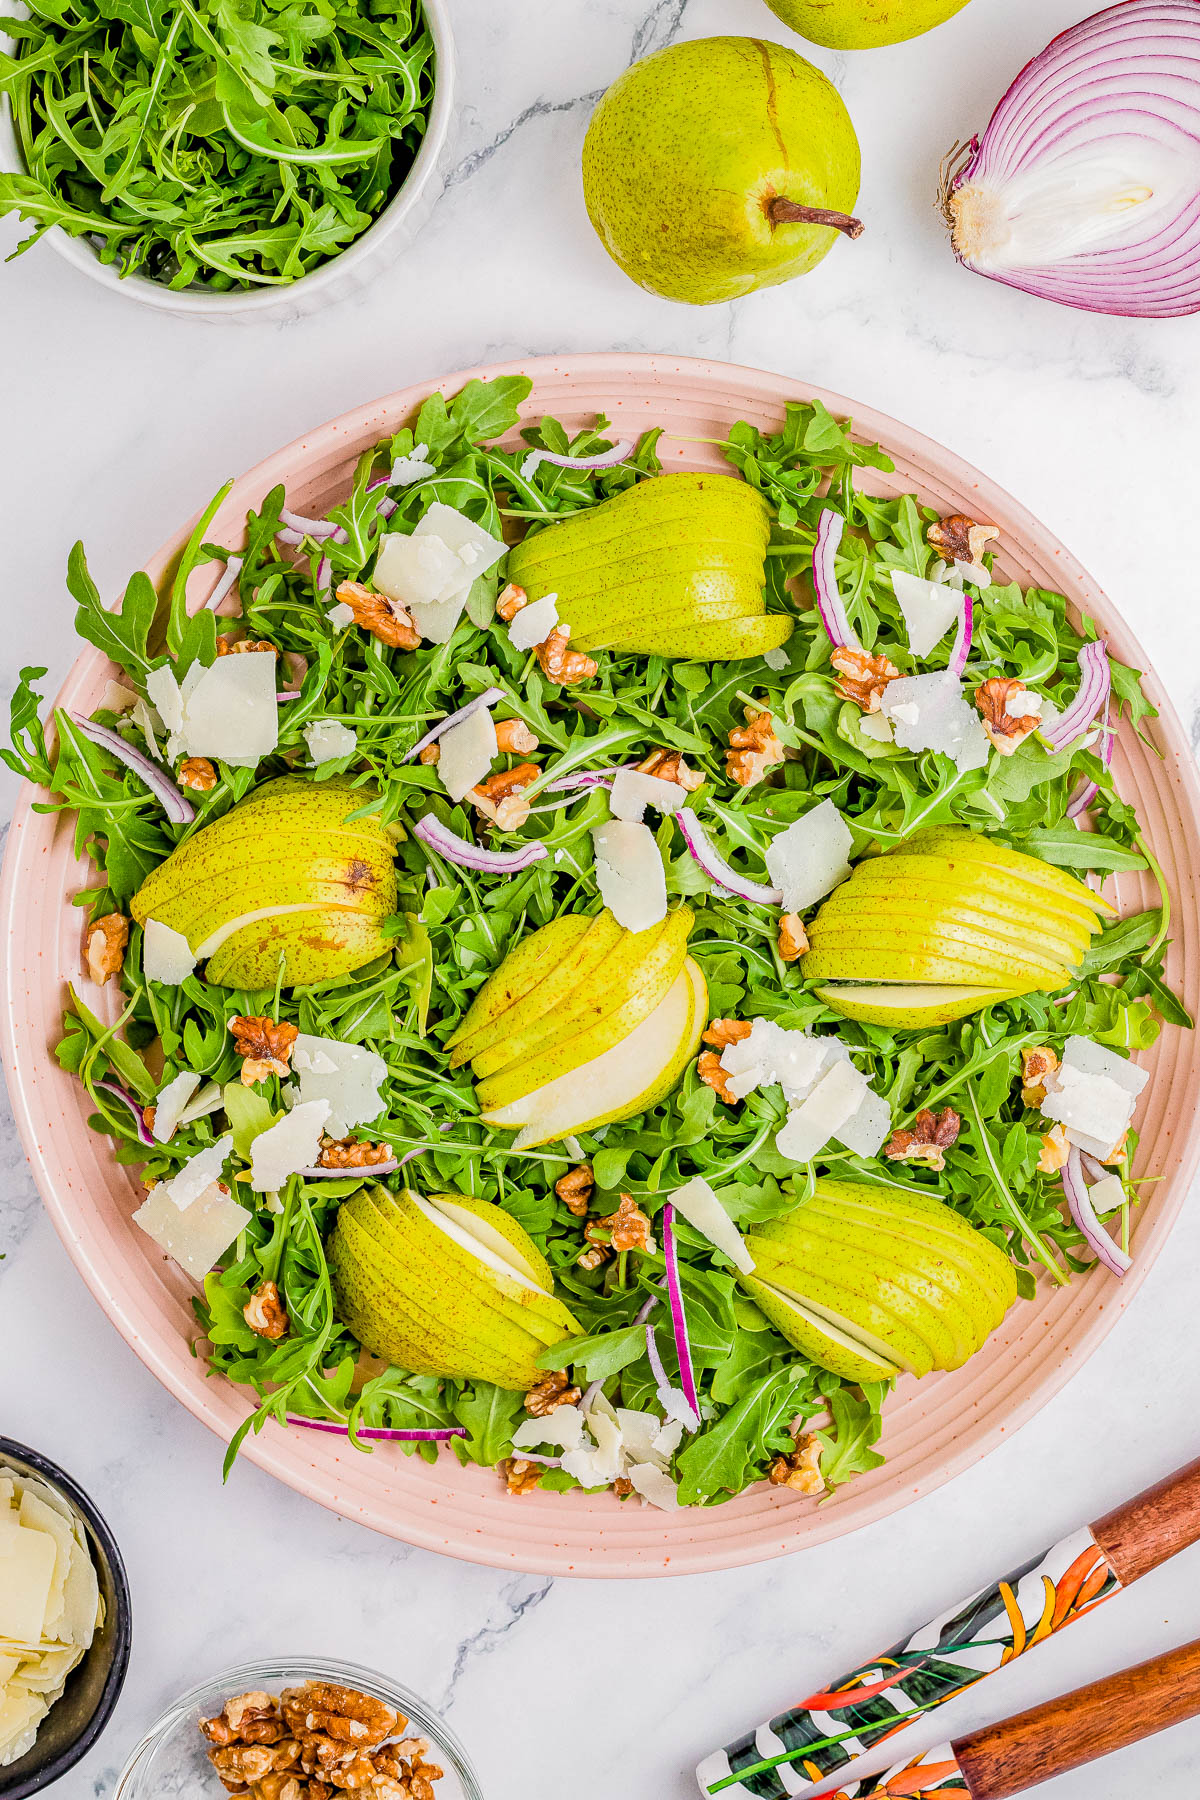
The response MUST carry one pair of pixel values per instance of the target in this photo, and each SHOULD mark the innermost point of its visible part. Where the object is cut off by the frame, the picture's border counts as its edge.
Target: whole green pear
(863, 24)
(720, 166)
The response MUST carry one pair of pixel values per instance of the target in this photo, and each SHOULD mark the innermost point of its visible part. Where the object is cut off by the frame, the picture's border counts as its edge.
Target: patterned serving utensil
(821, 1736)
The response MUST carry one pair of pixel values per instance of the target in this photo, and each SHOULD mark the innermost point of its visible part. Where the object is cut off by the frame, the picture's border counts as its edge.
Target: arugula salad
(320, 1116)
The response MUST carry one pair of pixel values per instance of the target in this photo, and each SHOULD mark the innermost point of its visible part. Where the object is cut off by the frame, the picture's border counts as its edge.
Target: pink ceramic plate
(934, 1428)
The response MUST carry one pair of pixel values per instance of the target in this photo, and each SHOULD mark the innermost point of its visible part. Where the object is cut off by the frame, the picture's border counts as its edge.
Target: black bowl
(76, 1720)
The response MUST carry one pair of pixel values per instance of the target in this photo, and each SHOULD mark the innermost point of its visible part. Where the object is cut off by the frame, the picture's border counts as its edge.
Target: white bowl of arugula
(724, 1435)
(246, 166)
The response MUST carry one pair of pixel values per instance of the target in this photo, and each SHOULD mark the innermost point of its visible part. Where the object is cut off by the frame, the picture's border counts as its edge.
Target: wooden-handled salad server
(822, 1735)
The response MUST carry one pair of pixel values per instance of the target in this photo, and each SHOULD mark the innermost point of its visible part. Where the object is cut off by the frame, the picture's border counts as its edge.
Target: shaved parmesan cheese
(230, 711)
(1096, 1059)
(117, 698)
(327, 739)
(876, 726)
(169, 1105)
(149, 723)
(1023, 705)
(836, 1097)
(27, 1561)
(772, 1054)
(630, 874)
(347, 1076)
(340, 616)
(166, 954)
(563, 1427)
(467, 750)
(208, 1100)
(929, 712)
(413, 467)
(632, 792)
(416, 571)
(810, 857)
(1107, 1195)
(929, 609)
(198, 1173)
(162, 690)
(975, 573)
(462, 535)
(776, 659)
(197, 1238)
(654, 1485)
(438, 621)
(20, 1715)
(697, 1203)
(1093, 1107)
(294, 1143)
(534, 623)
(869, 1124)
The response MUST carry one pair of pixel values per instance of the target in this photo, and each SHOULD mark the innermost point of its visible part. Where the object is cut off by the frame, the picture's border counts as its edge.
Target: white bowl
(352, 269)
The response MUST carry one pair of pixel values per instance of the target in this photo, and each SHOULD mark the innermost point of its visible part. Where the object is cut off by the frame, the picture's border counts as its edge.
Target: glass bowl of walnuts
(303, 1728)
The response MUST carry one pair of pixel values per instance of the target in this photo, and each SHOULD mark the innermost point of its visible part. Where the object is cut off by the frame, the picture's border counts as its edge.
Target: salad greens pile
(229, 143)
(453, 928)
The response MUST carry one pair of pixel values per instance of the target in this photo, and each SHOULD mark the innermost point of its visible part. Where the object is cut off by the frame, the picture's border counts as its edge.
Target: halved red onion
(455, 849)
(179, 810)
(838, 629)
(367, 1169)
(683, 1349)
(230, 573)
(717, 869)
(668, 1396)
(962, 637)
(586, 778)
(1084, 1215)
(603, 459)
(1085, 186)
(143, 1130)
(1095, 688)
(1087, 793)
(438, 1436)
(488, 697)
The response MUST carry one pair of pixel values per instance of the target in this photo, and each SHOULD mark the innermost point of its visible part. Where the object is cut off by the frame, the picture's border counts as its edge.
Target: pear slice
(832, 1344)
(222, 861)
(859, 961)
(907, 1006)
(495, 1230)
(524, 966)
(998, 960)
(317, 944)
(844, 1287)
(923, 1220)
(717, 640)
(670, 506)
(1056, 943)
(636, 977)
(569, 975)
(624, 1080)
(995, 890)
(959, 842)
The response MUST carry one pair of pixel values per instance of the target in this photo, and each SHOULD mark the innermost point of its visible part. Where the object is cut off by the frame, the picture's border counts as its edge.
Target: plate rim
(677, 1555)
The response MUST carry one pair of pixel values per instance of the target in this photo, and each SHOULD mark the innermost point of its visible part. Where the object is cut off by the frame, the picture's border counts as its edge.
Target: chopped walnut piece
(266, 1314)
(723, 1032)
(105, 949)
(1055, 1151)
(338, 1745)
(793, 939)
(862, 678)
(574, 1189)
(753, 749)
(242, 1762)
(553, 1390)
(1037, 1062)
(594, 1257)
(246, 1714)
(1117, 1153)
(801, 1470)
(514, 738)
(197, 773)
(626, 1229)
(510, 602)
(349, 1153)
(1004, 730)
(926, 1144)
(430, 754)
(708, 1067)
(264, 1045)
(622, 1487)
(669, 765)
(149, 1114)
(960, 539)
(520, 1475)
(341, 1713)
(500, 798)
(228, 646)
(559, 663)
(382, 618)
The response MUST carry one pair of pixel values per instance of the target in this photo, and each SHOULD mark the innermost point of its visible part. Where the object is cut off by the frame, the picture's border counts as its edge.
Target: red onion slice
(230, 573)
(318, 529)
(365, 1170)
(430, 1436)
(488, 697)
(830, 527)
(1084, 1215)
(717, 869)
(179, 810)
(143, 1130)
(668, 1396)
(586, 778)
(1087, 793)
(1095, 689)
(962, 637)
(683, 1349)
(455, 849)
(603, 459)
(1083, 188)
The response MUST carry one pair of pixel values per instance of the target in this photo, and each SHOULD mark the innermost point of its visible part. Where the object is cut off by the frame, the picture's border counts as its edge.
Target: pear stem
(786, 212)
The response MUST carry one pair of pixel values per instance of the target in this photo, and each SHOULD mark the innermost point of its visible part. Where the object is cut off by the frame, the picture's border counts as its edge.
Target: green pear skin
(863, 24)
(521, 971)
(289, 844)
(840, 1353)
(697, 155)
(907, 1006)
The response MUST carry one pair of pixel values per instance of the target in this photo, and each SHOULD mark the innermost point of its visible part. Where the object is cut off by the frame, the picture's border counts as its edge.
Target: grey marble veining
(118, 423)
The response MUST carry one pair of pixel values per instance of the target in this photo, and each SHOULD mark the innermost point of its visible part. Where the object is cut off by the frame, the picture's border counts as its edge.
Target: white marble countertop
(118, 422)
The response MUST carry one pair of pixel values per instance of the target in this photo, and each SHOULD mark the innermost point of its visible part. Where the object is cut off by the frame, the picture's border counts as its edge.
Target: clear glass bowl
(171, 1759)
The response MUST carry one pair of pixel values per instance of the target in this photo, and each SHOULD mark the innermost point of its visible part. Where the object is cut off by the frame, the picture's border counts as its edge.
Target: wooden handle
(1152, 1526)
(1077, 1728)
